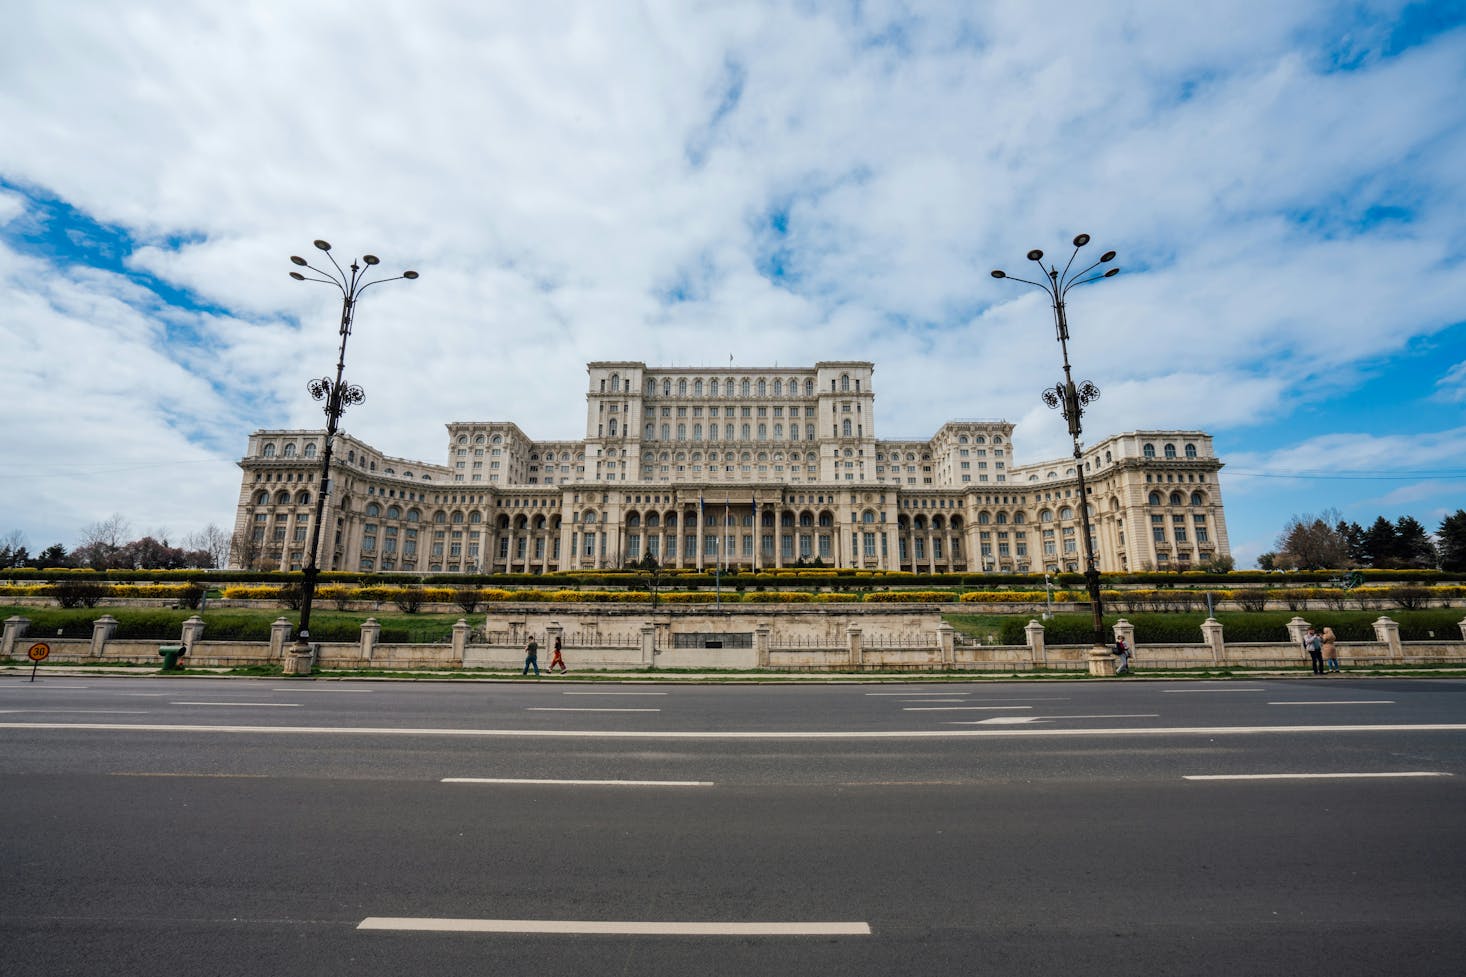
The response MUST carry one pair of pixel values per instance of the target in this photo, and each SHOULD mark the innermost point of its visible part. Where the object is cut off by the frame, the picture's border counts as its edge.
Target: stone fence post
(1463, 628)
(15, 628)
(1126, 631)
(1296, 627)
(193, 630)
(103, 628)
(1388, 632)
(371, 635)
(649, 644)
(279, 636)
(554, 630)
(947, 640)
(460, 638)
(1035, 634)
(1211, 633)
(762, 634)
(857, 648)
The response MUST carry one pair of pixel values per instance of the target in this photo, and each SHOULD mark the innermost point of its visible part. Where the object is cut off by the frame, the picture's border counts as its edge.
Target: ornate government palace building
(740, 469)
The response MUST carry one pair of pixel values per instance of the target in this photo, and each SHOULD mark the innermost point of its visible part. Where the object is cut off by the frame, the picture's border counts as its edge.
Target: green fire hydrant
(171, 654)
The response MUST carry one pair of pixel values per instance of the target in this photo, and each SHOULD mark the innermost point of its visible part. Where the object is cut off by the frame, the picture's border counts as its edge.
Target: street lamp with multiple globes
(1071, 398)
(337, 396)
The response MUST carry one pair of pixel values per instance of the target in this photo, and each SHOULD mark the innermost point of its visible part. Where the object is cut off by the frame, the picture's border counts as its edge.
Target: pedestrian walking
(1330, 649)
(531, 657)
(555, 659)
(1313, 645)
(1123, 651)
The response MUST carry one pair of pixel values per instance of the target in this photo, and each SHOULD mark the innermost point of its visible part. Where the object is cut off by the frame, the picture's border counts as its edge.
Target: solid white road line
(305, 688)
(1050, 719)
(959, 708)
(268, 705)
(613, 693)
(1336, 702)
(82, 712)
(579, 783)
(649, 734)
(1313, 776)
(583, 709)
(1177, 691)
(916, 693)
(596, 927)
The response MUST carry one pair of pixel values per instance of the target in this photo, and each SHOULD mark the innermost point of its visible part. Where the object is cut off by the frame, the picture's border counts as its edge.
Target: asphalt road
(206, 826)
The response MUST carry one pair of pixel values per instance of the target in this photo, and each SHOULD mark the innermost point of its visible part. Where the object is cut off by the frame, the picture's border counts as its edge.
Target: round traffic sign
(38, 651)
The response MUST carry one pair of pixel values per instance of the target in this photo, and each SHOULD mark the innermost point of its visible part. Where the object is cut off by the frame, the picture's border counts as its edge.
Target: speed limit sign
(37, 653)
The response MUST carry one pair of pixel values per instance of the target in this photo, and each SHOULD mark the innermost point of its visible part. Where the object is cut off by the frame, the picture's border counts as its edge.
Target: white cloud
(558, 171)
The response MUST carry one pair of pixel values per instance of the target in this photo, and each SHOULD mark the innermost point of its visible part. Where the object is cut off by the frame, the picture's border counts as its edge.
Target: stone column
(103, 628)
(1124, 629)
(947, 639)
(1387, 632)
(649, 644)
(853, 639)
(1035, 634)
(1211, 631)
(1296, 627)
(371, 633)
(460, 639)
(553, 630)
(193, 630)
(279, 638)
(1463, 627)
(761, 635)
(15, 628)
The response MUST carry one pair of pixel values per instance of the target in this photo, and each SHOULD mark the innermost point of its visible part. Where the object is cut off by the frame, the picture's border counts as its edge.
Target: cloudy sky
(678, 182)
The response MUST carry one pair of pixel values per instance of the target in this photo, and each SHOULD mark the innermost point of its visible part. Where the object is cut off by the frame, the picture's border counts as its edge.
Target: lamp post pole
(337, 395)
(1070, 399)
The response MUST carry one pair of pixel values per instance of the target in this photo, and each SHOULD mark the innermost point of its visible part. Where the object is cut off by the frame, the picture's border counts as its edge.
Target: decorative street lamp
(1070, 399)
(338, 396)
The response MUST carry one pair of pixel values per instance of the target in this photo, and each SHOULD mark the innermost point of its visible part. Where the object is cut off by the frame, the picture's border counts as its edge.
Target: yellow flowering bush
(909, 597)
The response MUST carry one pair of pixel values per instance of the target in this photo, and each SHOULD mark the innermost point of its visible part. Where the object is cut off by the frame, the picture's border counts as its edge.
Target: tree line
(108, 545)
(1329, 542)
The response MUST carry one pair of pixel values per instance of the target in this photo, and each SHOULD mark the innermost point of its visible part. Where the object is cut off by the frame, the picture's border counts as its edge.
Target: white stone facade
(742, 469)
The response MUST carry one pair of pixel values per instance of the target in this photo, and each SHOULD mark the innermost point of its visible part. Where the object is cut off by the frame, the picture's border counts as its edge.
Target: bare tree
(1311, 542)
(102, 542)
(245, 552)
(213, 541)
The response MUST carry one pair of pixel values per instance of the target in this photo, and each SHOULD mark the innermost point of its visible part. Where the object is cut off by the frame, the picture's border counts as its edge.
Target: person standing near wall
(1330, 649)
(1313, 645)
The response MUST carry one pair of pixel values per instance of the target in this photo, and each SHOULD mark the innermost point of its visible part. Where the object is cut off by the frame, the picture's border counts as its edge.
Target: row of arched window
(1177, 498)
(288, 450)
(1168, 450)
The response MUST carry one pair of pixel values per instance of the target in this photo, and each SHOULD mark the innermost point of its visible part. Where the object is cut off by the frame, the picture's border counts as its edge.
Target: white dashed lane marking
(598, 927)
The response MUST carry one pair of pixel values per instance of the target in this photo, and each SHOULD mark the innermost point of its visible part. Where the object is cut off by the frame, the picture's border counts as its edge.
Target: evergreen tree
(1382, 544)
(1415, 549)
(52, 556)
(1353, 535)
(1452, 535)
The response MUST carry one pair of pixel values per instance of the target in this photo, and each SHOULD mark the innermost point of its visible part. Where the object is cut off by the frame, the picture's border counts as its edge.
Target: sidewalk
(22, 671)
